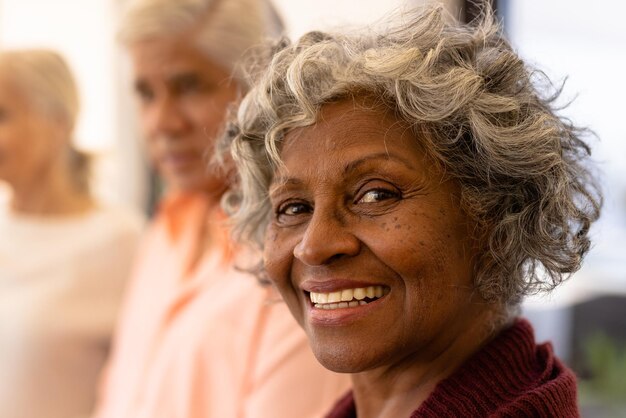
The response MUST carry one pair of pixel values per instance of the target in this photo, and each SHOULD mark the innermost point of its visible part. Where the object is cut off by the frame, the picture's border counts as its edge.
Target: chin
(342, 358)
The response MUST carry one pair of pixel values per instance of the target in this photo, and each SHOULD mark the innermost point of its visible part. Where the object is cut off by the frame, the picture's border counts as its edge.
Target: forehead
(351, 123)
(160, 58)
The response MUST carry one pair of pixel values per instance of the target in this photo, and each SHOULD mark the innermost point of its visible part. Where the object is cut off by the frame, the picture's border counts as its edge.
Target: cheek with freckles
(428, 251)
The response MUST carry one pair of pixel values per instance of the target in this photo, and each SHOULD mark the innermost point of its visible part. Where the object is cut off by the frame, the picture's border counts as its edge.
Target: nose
(326, 239)
(163, 117)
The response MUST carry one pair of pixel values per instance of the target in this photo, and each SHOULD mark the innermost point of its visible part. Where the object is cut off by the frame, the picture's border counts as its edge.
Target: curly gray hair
(477, 109)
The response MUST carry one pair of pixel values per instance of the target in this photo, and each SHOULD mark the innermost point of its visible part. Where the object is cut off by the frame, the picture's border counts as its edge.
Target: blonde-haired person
(199, 338)
(64, 256)
(409, 187)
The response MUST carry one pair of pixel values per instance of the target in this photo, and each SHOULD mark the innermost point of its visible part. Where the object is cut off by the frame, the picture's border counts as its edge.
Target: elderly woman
(64, 256)
(408, 189)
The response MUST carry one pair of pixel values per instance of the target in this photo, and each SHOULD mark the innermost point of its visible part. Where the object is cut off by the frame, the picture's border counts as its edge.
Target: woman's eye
(377, 195)
(292, 209)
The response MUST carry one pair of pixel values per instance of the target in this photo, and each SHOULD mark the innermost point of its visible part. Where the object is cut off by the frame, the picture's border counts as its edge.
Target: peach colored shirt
(210, 342)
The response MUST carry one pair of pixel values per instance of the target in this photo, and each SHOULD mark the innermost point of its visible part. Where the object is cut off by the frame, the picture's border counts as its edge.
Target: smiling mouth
(347, 298)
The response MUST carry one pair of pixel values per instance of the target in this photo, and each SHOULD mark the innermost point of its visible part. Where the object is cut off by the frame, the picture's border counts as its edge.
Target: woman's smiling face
(367, 242)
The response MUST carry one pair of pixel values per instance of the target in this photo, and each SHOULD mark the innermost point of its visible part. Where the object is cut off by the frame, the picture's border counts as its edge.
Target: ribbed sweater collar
(510, 376)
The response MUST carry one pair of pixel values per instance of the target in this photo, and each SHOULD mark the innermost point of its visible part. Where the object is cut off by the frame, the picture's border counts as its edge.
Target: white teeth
(360, 293)
(347, 295)
(319, 297)
(347, 298)
(334, 297)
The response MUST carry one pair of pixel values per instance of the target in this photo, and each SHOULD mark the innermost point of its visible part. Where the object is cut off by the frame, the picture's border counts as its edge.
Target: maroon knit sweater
(510, 377)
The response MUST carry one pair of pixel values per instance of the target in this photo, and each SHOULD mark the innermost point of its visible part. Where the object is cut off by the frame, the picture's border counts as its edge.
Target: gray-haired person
(408, 189)
(198, 338)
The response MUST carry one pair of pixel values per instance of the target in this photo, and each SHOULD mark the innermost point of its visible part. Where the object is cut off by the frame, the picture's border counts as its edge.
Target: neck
(54, 193)
(399, 389)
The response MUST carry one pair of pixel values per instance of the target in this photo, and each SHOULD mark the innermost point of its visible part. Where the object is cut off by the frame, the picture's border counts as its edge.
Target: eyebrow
(280, 181)
(184, 77)
(353, 165)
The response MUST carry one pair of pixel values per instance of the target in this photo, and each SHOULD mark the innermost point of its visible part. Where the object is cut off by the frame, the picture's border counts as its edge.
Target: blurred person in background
(64, 256)
(408, 189)
(199, 338)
